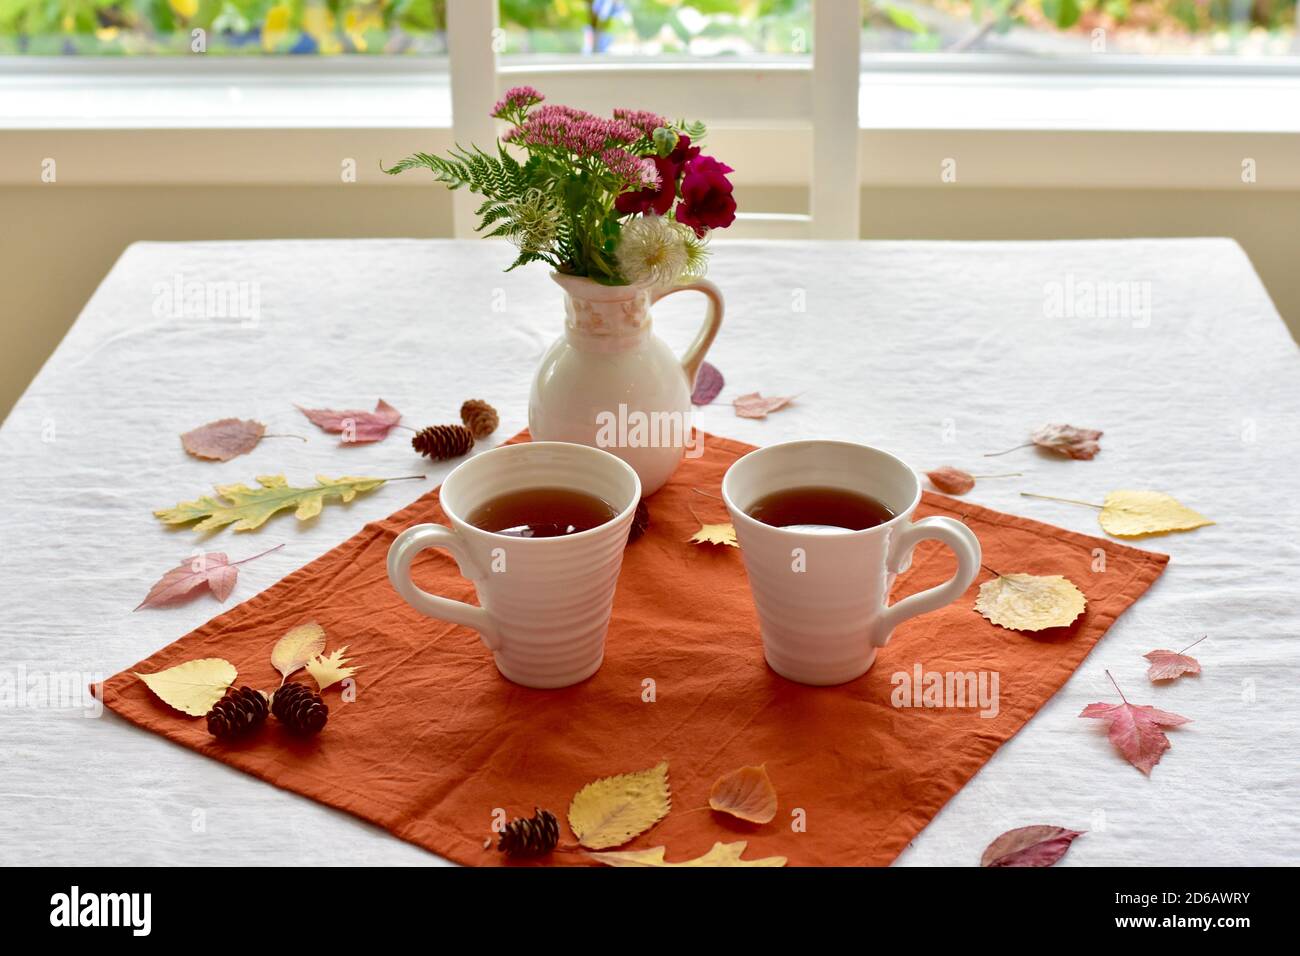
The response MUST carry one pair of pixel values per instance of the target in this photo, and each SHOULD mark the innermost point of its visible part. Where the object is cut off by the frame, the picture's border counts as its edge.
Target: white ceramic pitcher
(610, 367)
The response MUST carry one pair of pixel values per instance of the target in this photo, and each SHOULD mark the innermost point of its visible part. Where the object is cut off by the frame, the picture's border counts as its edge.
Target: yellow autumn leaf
(613, 810)
(722, 854)
(192, 687)
(248, 508)
(716, 534)
(1030, 602)
(1132, 514)
(746, 793)
(327, 670)
(297, 647)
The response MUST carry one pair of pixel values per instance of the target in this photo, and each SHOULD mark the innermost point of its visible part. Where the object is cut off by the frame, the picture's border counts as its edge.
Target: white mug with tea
(539, 528)
(824, 529)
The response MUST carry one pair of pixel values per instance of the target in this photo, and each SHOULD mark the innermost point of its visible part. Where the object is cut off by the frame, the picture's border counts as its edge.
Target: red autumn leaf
(224, 439)
(950, 480)
(754, 405)
(1135, 729)
(1078, 443)
(182, 582)
(356, 427)
(708, 383)
(1166, 665)
(1030, 846)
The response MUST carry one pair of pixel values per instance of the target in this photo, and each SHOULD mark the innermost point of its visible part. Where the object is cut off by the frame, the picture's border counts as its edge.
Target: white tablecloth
(937, 351)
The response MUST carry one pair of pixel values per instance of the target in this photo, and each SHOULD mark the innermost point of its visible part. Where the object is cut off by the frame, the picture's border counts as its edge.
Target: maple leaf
(296, 648)
(214, 569)
(327, 670)
(224, 439)
(716, 534)
(192, 687)
(356, 427)
(1030, 602)
(746, 794)
(754, 405)
(610, 811)
(722, 854)
(708, 383)
(1167, 665)
(1030, 846)
(1135, 729)
(1066, 440)
(248, 508)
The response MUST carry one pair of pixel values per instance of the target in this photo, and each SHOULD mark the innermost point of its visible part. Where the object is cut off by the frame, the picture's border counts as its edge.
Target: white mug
(821, 596)
(544, 603)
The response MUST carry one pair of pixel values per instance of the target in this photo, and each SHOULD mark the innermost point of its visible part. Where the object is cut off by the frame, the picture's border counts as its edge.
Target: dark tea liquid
(542, 513)
(817, 508)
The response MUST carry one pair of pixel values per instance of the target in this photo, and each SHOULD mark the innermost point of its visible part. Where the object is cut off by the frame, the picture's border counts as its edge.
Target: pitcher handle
(964, 545)
(693, 357)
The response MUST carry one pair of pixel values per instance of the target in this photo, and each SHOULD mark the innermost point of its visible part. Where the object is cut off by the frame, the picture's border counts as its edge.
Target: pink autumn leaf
(950, 480)
(224, 439)
(1135, 729)
(1030, 846)
(1067, 440)
(1167, 665)
(708, 383)
(183, 582)
(754, 405)
(356, 427)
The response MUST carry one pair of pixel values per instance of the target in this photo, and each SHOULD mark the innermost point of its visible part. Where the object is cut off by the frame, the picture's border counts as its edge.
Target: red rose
(707, 202)
(660, 199)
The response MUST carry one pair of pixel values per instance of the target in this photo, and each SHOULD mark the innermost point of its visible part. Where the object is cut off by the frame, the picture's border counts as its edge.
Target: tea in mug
(542, 513)
(819, 508)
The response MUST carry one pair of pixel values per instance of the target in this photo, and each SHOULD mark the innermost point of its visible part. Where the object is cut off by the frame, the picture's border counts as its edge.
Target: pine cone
(300, 710)
(640, 521)
(531, 837)
(441, 442)
(479, 417)
(239, 712)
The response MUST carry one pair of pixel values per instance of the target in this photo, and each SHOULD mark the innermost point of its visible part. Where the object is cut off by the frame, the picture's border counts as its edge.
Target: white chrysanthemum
(658, 251)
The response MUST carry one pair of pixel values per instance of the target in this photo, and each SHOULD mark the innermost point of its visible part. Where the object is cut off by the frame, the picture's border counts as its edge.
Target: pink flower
(517, 99)
(643, 120)
(707, 202)
(577, 131)
(632, 172)
(657, 199)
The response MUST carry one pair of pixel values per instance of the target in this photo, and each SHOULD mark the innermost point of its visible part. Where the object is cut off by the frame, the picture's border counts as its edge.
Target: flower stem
(1072, 501)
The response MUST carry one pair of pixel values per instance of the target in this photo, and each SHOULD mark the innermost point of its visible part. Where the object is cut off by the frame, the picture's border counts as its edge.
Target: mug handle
(404, 549)
(964, 545)
(693, 357)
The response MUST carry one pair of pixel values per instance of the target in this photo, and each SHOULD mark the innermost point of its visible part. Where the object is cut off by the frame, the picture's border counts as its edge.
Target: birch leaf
(192, 687)
(297, 647)
(722, 854)
(248, 508)
(950, 480)
(327, 670)
(716, 534)
(1132, 514)
(746, 794)
(613, 810)
(1030, 602)
(224, 439)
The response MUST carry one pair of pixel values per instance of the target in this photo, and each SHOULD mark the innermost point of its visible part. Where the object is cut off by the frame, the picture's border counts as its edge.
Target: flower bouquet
(623, 200)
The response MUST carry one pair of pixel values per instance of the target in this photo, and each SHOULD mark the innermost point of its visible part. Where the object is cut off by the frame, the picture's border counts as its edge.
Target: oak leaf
(224, 439)
(1167, 665)
(214, 569)
(356, 427)
(754, 405)
(610, 811)
(248, 508)
(746, 793)
(722, 854)
(192, 687)
(951, 481)
(716, 534)
(1134, 729)
(1030, 846)
(328, 669)
(1030, 602)
(1132, 514)
(708, 383)
(292, 651)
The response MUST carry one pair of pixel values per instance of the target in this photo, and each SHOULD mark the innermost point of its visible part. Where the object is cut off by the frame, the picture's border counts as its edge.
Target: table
(939, 352)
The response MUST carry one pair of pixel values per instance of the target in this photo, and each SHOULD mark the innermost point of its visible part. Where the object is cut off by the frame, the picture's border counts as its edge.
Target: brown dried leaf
(1030, 846)
(746, 793)
(950, 480)
(224, 439)
(1067, 440)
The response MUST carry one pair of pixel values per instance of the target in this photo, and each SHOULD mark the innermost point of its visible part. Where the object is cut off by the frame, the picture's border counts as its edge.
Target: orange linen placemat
(436, 740)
